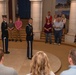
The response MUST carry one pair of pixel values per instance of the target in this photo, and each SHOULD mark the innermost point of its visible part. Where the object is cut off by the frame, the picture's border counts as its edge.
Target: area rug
(18, 60)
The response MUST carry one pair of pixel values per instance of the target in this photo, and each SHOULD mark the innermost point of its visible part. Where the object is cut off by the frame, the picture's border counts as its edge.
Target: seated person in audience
(72, 62)
(3, 69)
(48, 31)
(40, 65)
(10, 30)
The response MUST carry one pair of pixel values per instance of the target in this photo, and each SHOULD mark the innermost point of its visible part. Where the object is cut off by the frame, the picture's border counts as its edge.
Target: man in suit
(4, 30)
(29, 38)
(3, 69)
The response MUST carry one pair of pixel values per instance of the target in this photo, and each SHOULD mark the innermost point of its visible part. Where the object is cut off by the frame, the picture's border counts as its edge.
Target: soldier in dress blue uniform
(29, 38)
(4, 29)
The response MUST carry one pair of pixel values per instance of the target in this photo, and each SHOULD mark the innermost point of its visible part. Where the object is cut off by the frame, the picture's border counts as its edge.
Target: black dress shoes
(16, 40)
(29, 58)
(7, 52)
(20, 40)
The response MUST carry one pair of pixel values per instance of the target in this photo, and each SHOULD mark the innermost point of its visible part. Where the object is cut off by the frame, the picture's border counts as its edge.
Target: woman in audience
(64, 22)
(48, 31)
(40, 65)
(49, 17)
(55, 16)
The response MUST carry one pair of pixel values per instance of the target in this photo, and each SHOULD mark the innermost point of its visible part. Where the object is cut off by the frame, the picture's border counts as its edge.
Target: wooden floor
(60, 51)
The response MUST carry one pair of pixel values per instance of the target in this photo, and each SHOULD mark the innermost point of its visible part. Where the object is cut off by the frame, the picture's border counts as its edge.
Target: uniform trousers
(5, 44)
(29, 49)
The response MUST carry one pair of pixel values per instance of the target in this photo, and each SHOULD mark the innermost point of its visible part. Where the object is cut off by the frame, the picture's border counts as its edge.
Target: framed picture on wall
(63, 7)
(62, 4)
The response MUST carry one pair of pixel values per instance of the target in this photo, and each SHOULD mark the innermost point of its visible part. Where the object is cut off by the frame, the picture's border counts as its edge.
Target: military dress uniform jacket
(29, 32)
(4, 36)
(4, 29)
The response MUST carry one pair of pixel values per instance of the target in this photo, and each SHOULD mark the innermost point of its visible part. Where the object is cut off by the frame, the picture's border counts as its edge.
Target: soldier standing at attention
(4, 30)
(29, 38)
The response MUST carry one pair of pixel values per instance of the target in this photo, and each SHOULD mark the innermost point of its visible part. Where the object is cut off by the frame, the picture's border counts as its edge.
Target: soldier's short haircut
(4, 16)
(1, 54)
